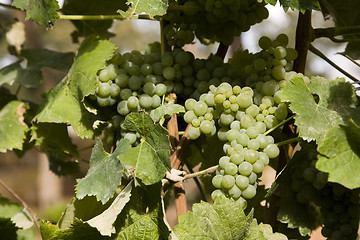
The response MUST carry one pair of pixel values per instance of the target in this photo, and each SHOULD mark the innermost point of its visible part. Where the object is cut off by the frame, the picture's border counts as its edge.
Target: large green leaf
(151, 7)
(151, 158)
(223, 220)
(340, 155)
(92, 7)
(105, 172)
(339, 11)
(8, 229)
(142, 217)
(53, 139)
(104, 221)
(12, 126)
(44, 12)
(301, 5)
(64, 103)
(335, 105)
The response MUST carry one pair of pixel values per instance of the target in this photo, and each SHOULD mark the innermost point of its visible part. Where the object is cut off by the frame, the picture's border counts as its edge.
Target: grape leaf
(291, 212)
(104, 221)
(224, 219)
(340, 155)
(151, 158)
(151, 7)
(104, 175)
(143, 219)
(44, 12)
(301, 5)
(167, 110)
(337, 100)
(58, 146)
(31, 76)
(78, 230)
(92, 7)
(339, 11)
(8, 229)
(64, 103)
(12, 126)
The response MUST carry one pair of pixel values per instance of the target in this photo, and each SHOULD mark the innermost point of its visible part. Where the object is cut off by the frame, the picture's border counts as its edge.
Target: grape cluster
(214, 20)
(339, 205)
(247, 149)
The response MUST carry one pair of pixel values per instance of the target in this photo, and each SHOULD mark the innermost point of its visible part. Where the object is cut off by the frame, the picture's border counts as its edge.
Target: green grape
(224, 161)
(216, 193)
(132, 102)
(114, 90)
(232, 135)
(125, 93)
(243, 139)
(146, 69)
(131, 137)
(291, 54)
(252, 132)
(265, 42)
(270, 121)
(252, 178)
(134, 82)
(251, 156)
(278, 72)
(282, 39)
(258, 166)
(281, 112)
(194, 133)
(231, 169)
(228, 181)
(206, 126)
(245, 168)
(235, 125)
(237, 158)
(149, 88)
(104, 90)
(190, 103)
(226, 119)
(220, 98)
(270, 87)
(167, 59)
(253, 144)
(196, 122)
(247, 121)
(189, 116)
(160, 89)
(122, 108)
(208, 116)
(132, 69)
(244, 100)
(145, 101)
(235, 192)
(203, 75)
(242, 182)
(122, 80)
(200, 108)
(263, 141)
(169, 73)
(156, 101)
(222, 134)
(249, 192)
(216, 181)
(272, 150)
(103, 102)
(226, 104)
(280, 52)
(182, 58)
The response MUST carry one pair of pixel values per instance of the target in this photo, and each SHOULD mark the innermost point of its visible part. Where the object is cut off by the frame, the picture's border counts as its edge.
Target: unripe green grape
(261, 127)
(272, 109)
(264, 158)
(242, 182)
(235, 125)
(263, 141)
(146, 69)
(189, 116)
(224, 161)
(156, 101)
(247, 91)
(125, 93)
(260, 117)
(247, 121)
(252, 110)
(222, 134)
(272, 151)
(195, 122)
(216, 181)
(277, 97)
(131, 137)
(238, 147)
(245, 168)
(235, 192)
(252, 178)
(220, 98)
(210, 99)
(104, 75)
(132, 102)
(134, 82)
(243, 139)
(206, 126)
(104, 90)
(231, 169)
(291, 54)
(252, 132)
(194, 133)
(103, 102)
(167, 59)
(278, 72)
(270, 121)
(232, 135)
(226, 104)
(216, 193)
(249, 192)
(183, 58)
(122, 108)
(149, 88)
(270, 87)
(251, 156)
(226, 119)
(203, 75)
(169, 73)
(237, 158)
(265, 42)
(282, 39)
(160, 89)
(281, 112)
(258, 166)
(208, 116)
(244, 100)
(228, 181)
(253, 144)
(280, 52)
(145, 101)
(114, 91)
(259, 64)
(200, 108)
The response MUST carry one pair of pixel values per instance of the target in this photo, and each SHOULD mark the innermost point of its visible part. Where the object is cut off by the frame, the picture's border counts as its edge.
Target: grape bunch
(211, 21)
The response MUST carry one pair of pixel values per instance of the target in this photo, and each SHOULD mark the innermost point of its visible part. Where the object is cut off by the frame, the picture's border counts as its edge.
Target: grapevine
(160, 117)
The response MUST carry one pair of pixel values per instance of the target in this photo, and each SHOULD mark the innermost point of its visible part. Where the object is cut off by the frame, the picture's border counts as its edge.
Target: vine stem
(352, 60)
(288, 141)
(203, 172)
(22, 203)
(279, 125)
(321, 55)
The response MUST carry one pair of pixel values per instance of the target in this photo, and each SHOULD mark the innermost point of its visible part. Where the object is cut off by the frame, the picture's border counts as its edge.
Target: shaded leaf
(64, 103)
(104, 222)
(142, 217)
(12, 126)
(167, 110)
(337, 100)
(7, 229)
(14, 73)
(150, 158)
(105, 172)
(301, 5)
(44, 12)
(341, 155)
